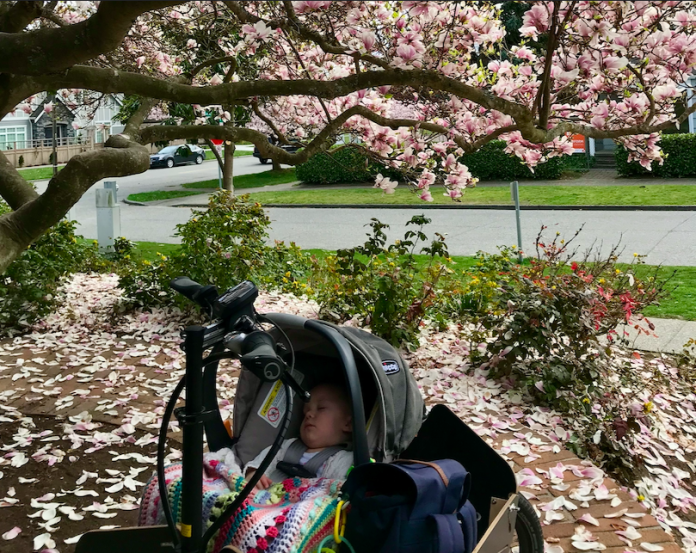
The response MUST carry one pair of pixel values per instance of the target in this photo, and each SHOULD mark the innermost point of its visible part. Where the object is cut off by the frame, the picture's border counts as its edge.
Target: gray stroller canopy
(393, 405)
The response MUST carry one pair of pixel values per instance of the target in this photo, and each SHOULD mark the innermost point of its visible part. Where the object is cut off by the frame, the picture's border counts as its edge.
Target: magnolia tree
(418, 83)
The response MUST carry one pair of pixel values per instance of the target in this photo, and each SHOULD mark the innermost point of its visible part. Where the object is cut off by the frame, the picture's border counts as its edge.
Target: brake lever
(290, 380)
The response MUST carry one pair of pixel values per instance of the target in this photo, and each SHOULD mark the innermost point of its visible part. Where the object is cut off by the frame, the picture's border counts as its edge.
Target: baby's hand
(264, 482)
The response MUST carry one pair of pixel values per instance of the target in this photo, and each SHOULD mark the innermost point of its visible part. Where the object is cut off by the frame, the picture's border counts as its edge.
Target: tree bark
(18, 229)
(228, 169)
(13, 188)
(46, 51)
(276, 164)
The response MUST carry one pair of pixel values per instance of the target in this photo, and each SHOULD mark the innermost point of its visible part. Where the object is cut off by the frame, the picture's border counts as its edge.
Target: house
(76, 123)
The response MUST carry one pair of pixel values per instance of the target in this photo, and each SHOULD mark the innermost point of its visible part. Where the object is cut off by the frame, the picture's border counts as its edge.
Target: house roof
(64, 112)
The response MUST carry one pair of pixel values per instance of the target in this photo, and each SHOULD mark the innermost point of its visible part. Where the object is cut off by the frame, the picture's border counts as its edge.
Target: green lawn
(529, 195)
(237, 153)
(266, 178)
(681, 304)
(38, 173)
(161, 195)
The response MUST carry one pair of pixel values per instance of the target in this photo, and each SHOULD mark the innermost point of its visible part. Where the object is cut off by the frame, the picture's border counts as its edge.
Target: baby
(327, 422)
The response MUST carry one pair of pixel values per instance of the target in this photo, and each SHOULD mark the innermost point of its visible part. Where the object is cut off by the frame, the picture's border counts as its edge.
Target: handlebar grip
(185, 286)
(259, 343)
(259, 356)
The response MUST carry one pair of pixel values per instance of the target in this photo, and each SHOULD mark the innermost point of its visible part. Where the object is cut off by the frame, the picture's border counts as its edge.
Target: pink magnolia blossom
(386, 184)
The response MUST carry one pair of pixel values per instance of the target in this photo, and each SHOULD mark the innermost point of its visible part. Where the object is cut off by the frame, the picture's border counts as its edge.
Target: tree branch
(255, 106)
(18, 229)
(135, 121)
(214, 149)
(14, 189)
(113, 81)
(15, 16)
(50, 50)
(320, 143)
(213, 61)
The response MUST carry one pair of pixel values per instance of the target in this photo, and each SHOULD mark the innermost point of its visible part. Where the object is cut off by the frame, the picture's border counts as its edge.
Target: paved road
(667, 238)
(162, 179)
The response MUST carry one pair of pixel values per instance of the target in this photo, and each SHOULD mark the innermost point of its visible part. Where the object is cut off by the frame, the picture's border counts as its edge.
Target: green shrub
(680, 158)
(29, 288)
(20, 161)
(346, 164)
(222, 246)
(385, 288)
(351, 164)
(492, 163)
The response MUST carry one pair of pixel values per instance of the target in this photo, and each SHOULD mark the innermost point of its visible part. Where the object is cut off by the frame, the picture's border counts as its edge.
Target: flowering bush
(385, 288)
(545, 319)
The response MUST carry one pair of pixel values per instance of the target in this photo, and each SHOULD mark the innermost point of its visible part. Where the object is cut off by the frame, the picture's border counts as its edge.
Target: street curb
(489, 207)
(131, 202)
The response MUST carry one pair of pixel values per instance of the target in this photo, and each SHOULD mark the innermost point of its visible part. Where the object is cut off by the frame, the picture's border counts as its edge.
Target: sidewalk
(670, 335)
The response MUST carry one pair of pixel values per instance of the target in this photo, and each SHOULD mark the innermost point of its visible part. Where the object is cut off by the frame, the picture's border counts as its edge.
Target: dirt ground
(56, 485)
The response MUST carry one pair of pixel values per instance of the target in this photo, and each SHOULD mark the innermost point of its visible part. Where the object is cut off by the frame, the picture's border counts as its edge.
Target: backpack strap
(291, 466)
(450, 538)
(455, 479)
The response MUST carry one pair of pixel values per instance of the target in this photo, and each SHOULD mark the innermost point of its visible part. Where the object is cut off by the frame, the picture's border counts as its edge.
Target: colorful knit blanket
(293, 516)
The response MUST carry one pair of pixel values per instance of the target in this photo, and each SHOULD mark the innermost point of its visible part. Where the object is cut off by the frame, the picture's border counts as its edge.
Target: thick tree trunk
(276, 165)
(34, 214)
(228, 169)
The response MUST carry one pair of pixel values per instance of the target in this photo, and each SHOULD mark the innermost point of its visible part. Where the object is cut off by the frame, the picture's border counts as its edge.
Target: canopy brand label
(390, 366)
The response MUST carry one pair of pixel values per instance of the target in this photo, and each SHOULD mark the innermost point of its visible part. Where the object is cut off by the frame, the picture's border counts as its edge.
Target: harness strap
(291, 466)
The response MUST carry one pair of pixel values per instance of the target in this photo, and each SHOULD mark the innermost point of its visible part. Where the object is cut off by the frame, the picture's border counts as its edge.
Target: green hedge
(492, 163)
(680, 158)
(349, 164)
(343, 165)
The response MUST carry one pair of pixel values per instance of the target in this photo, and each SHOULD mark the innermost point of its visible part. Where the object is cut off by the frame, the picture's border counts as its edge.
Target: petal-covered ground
(81, 397)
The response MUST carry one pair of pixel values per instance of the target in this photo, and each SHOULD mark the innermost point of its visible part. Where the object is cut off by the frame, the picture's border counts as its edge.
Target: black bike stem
(192, 454)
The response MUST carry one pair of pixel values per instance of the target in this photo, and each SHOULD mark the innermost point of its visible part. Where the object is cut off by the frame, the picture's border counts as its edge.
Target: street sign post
(515, 191)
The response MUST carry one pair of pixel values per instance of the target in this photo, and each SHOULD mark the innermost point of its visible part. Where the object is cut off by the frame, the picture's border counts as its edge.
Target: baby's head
(327, 417)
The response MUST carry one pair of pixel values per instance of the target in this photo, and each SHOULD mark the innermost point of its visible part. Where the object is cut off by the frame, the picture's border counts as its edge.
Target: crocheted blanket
(293, 516)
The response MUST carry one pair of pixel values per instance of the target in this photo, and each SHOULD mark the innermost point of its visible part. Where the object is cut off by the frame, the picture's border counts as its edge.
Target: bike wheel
(530, 537)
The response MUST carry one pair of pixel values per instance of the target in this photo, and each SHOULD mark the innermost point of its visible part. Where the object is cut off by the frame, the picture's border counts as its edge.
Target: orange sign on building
(578, 144)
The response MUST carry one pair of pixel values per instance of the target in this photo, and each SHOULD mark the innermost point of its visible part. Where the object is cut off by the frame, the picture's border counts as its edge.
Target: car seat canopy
(393, 405)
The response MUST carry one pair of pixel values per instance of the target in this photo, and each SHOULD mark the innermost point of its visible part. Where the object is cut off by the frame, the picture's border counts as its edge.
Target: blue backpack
(410, 507)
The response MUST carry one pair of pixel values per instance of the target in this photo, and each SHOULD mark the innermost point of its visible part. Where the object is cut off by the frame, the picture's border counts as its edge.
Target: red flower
(272, 532)
(262, 544)
(574, 266)
(280, 519)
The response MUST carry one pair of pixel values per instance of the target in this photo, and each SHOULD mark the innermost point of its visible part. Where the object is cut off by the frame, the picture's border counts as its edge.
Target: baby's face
(327, 420)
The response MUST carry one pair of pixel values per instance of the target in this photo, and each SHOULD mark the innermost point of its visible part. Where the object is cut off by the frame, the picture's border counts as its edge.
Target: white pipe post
(108, 217)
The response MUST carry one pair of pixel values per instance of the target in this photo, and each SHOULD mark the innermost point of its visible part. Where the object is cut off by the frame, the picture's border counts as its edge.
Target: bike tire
(530, 536)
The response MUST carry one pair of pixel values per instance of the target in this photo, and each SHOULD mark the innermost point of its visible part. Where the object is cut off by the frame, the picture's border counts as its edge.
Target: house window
(12, 138)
